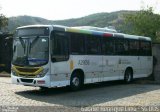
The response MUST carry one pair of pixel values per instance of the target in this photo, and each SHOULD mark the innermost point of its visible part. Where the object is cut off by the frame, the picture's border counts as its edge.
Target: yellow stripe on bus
(71, 65)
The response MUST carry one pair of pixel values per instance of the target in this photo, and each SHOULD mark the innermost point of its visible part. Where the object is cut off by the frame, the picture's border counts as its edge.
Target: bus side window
(60, 47)
(93, 45)
(119, 43)
(77, 44)
(149, 50)
(108, 46)
(145, 48)
(134, 47)
(126, 47)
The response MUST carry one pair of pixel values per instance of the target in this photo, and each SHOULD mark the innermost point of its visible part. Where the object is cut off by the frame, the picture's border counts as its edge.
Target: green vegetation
(3, 21)
(144, 23)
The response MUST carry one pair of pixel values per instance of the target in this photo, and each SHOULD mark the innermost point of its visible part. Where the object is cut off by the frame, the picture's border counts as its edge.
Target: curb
(5, 75)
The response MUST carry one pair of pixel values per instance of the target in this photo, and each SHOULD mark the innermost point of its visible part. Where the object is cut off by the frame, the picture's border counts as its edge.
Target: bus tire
(44, 88)
(128, 76)
(76, 81)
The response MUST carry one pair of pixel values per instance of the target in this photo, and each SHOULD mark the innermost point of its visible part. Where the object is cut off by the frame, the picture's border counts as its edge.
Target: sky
(66, 9)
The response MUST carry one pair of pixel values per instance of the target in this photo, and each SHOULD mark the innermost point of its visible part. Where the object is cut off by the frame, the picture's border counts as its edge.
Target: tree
(145, 23)
(3, 21)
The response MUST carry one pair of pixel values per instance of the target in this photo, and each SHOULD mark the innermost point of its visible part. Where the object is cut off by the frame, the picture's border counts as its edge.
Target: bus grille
(26, 75)
(29, 72)
(27, 80)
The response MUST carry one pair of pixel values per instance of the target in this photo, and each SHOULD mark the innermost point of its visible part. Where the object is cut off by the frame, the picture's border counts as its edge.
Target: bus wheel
(44, 88)
(76, 81)
(128, 76)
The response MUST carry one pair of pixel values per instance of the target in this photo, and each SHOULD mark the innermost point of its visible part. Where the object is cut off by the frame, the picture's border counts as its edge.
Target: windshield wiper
(33, 43)
(22, 43)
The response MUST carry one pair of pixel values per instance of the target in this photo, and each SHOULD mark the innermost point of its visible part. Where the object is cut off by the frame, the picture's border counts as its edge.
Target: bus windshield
(30, 51)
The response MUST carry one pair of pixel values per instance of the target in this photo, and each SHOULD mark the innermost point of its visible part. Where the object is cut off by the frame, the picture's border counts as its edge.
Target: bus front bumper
(37, 82)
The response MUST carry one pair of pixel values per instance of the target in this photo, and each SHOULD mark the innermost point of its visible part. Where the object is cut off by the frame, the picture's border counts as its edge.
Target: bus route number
(83, 62)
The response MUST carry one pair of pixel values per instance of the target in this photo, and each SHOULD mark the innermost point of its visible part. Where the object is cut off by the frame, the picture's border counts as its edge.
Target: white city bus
(55, 56)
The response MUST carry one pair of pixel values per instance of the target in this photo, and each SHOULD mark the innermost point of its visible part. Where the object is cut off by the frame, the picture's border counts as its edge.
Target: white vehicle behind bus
(55, 56)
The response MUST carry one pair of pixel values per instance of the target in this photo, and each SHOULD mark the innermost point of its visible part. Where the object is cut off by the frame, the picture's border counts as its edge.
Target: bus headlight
(14, 73)
(43, 73)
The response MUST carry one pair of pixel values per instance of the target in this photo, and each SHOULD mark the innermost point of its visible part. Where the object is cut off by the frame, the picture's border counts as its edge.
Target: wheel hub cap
(75, 81)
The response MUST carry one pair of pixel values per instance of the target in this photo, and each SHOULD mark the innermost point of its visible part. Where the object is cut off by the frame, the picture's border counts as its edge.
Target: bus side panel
(110, 70)
(115, 66)
(60, 74)
(150, 65)
(129, 61)
(91, 66)
(146, 66)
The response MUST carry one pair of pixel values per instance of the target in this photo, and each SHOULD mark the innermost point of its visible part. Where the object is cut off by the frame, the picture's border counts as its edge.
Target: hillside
(100, 20)
(15, 22)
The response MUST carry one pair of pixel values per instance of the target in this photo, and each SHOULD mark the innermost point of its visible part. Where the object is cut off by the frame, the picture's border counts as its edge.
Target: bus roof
(90, 30)
(28, 26)
(108, 33)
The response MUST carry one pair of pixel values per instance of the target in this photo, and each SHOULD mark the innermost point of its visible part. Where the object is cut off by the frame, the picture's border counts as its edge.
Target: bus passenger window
(77, 44)
(59, 47)
(108, 46)
(93, 45)
(145, 48)
(134, 47)
(119, 43)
